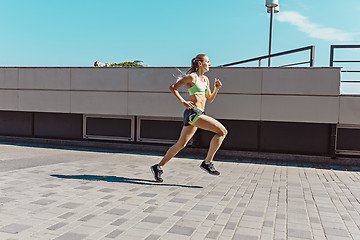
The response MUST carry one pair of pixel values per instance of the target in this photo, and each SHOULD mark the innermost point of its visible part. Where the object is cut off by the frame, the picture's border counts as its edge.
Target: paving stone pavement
(63, 194)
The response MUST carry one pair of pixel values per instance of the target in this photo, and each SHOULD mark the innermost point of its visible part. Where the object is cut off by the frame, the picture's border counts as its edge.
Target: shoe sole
(152, 170)
(209, 172)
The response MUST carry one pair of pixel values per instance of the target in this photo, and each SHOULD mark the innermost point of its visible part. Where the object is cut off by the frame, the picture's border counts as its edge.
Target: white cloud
(312, 29)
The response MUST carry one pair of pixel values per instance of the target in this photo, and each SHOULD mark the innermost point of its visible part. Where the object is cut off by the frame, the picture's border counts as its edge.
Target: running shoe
(157, 173)
(209, 168)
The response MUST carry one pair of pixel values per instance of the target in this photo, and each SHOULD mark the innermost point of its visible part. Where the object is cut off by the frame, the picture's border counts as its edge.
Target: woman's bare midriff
(199, 100)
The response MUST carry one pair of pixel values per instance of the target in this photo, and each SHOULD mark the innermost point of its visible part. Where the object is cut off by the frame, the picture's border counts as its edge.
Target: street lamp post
(272, 7)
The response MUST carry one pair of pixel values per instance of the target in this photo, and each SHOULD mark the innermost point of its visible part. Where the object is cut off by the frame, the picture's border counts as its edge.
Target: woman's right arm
(173, 88)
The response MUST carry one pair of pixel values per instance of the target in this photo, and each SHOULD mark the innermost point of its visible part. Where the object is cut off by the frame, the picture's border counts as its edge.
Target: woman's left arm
(217, 85)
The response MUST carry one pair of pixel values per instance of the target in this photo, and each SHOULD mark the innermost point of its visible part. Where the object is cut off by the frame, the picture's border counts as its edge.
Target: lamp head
(271, 3)
(276, 9)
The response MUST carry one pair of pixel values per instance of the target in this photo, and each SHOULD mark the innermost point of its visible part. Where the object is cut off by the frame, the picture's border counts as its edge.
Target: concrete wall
(265, 94)
(349, 110)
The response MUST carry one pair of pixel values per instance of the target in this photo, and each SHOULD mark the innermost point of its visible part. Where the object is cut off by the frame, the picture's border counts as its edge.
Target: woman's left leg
(186, 134)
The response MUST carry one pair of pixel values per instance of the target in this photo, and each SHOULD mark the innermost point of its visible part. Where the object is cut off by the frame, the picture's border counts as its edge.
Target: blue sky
(170, 33)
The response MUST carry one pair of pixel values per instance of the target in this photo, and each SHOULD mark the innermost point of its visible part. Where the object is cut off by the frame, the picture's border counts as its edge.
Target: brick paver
(48, 193)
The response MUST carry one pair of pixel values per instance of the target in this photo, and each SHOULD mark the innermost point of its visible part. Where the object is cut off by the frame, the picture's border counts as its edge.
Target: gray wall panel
(233, 106)
(237, 80)
(44, 101)
(114, 103)
(9, 100)
(349, 110)
(152, 79)
(154, 104)
(99, 79)
(317, 109)
(44, 78)
(303, 81)
(9, 78)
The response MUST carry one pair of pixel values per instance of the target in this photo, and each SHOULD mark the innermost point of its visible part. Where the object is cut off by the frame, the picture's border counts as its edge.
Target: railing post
(312, 56)
(331, 55)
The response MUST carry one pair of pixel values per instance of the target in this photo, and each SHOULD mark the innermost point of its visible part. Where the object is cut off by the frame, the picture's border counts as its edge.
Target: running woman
(194, 117)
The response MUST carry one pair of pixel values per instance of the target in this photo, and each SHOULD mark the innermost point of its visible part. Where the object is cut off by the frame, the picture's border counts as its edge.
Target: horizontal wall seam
(144, 68)
(162, 92)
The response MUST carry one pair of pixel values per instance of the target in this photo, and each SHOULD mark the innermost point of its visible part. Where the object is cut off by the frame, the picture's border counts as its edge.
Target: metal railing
(332, 53)
(309, 48)
(340, 128)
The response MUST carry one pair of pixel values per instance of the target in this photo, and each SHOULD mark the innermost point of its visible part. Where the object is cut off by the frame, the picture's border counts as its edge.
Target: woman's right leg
(208, 123)
(186, 134)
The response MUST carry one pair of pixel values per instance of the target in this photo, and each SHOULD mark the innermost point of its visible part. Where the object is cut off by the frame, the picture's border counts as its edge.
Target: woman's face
(205, 64)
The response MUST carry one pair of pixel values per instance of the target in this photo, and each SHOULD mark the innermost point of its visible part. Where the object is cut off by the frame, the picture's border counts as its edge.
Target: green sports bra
(199, 87)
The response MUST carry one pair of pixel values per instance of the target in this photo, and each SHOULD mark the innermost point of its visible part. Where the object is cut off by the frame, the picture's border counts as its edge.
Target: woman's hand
(217, 83)
(188, 104)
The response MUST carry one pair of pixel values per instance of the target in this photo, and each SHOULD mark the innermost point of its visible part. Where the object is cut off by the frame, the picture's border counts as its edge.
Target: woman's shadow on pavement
(121, 180)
